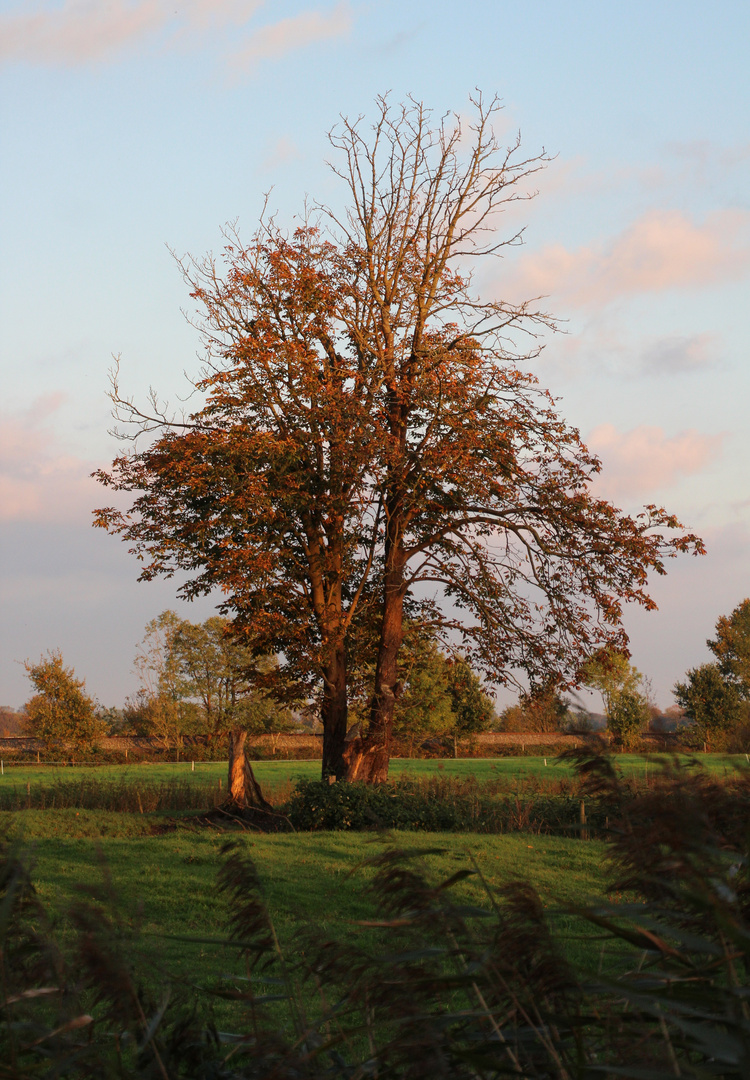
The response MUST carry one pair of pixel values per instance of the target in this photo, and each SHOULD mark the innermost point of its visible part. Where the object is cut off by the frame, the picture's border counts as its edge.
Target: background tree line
(713, 701)
(197, 679)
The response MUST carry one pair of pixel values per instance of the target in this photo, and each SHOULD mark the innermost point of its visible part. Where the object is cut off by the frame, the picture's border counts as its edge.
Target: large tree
(369, 435)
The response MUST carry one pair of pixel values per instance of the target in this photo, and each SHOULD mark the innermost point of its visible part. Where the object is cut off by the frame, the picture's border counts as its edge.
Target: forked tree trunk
(334, 715)
(243, 789)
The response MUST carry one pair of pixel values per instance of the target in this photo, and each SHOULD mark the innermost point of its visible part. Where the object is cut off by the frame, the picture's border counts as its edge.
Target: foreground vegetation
(449, 957)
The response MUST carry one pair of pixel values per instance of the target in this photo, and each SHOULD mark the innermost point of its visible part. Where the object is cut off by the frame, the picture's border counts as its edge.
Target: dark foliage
(437, 804)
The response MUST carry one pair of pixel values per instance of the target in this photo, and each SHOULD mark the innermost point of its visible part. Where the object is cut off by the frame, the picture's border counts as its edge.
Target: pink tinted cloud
(661, 250)
(84, 31)
(636, 463)
(39, 481)
(296, 32)
(79, 30)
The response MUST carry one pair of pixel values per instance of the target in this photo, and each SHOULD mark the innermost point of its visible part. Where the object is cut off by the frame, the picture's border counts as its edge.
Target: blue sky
(133, 126)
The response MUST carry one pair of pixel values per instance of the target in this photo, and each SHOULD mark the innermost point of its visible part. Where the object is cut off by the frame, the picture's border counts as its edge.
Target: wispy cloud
(639, 462)
(86, 31)
(679, 354)
(39, 481)
(78, 31)
(277, 39)
(661, 250)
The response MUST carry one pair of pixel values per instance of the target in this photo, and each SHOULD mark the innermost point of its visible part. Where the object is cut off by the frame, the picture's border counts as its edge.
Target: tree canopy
(368, 436)
(731, 647)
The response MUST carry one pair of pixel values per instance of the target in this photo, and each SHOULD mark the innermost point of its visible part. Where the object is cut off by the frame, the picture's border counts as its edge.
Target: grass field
(163, 867)
(309, 879)
(156, 874)
(282, 774)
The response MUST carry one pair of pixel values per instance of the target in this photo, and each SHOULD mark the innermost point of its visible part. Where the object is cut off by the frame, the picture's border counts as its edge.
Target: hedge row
(317, 807)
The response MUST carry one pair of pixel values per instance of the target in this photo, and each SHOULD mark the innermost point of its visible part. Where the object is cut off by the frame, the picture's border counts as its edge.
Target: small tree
(627, 715)
(711, 702)
(625, 705)
(222, 674)
(424, 705)
(61, 713)
(472, 706)
(438, 695)
(541, 709)
(160, 708)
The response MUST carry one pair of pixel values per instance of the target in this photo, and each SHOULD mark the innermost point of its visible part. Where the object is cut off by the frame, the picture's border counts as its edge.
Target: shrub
(434, 804)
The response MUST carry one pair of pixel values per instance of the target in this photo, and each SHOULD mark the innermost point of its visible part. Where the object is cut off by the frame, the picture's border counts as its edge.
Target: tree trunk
(368, 758)
(243, 789)
(334, 715)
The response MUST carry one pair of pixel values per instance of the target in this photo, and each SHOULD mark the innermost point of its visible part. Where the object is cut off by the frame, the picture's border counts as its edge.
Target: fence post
(584, 830)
